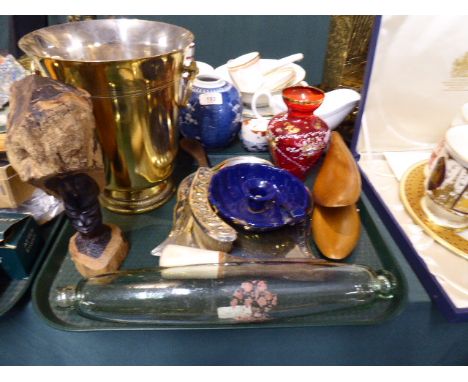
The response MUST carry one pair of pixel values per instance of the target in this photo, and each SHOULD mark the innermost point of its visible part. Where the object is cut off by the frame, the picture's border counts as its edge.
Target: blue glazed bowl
(214, 113)
(259, 197)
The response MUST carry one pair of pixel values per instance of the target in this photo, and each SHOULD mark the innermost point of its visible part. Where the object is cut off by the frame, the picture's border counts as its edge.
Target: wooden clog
(336, 230)
(338, 182)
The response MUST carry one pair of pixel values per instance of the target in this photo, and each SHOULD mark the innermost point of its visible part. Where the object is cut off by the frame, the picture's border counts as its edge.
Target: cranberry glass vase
(297, 137)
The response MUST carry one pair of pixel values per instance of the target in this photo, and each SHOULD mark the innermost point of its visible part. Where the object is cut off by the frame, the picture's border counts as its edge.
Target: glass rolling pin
(225, 293)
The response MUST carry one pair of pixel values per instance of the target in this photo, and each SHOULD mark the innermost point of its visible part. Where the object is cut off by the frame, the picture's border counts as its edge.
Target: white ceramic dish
(265, 64)
(204, 68)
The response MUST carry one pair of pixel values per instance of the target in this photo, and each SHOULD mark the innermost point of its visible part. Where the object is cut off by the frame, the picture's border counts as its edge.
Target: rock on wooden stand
(51, 144)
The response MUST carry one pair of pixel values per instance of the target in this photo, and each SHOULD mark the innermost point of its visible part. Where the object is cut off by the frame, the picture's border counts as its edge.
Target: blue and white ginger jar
(214, 113)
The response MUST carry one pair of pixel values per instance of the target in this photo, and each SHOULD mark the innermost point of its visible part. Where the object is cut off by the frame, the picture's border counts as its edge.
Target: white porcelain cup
(245, 72)
(273, 101)
(269, 93)
(446, 198)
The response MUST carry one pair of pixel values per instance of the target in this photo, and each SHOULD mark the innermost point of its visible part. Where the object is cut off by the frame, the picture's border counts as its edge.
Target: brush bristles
(204, 241)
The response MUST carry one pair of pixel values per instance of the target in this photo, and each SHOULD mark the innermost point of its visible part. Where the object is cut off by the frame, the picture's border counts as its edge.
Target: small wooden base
(109, 261)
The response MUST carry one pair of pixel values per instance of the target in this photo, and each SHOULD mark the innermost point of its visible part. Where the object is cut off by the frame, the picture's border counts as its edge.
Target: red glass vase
(297, 137)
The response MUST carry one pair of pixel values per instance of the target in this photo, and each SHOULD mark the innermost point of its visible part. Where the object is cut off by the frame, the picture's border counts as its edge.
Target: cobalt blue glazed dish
(214, 113)
(259, 197)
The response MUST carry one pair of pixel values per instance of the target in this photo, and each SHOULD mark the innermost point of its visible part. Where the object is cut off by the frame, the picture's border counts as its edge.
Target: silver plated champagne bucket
(139, 74)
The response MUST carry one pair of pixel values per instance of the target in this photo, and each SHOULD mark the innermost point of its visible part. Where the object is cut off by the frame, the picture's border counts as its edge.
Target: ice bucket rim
(23, 45)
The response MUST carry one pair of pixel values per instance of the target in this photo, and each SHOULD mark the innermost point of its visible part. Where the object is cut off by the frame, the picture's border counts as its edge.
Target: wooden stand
(110, 259)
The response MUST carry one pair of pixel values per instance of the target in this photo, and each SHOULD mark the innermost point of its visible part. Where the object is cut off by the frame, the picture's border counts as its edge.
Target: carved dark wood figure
(80, 196)
(51, 144)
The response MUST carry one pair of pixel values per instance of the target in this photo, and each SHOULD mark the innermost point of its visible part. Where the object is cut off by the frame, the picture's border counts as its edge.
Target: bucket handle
(189, 73)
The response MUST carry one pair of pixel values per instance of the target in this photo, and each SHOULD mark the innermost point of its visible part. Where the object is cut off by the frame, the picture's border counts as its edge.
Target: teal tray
(145, 231)
(11, 291)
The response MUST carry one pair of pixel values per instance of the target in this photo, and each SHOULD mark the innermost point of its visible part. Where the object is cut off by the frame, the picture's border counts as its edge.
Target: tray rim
(35, 270)
(394, 310)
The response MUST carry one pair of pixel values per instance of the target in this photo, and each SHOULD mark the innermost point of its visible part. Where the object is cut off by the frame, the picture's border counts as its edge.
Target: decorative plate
(411, 193)
(259, 197)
